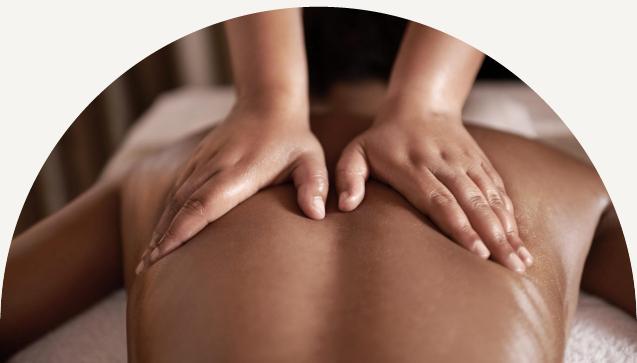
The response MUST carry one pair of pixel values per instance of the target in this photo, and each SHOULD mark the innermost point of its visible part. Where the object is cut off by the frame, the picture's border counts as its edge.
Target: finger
(351, 173)
(194, 167)
(184, 175)
(171, 207)
(176, 200)
(507, 202)
(433, 199)
(495, 177)
(482, 218)
(193, 177)
(498, 203)
(496, 200)
(143, 261)
(216, 197)
(310, 179)
(162, 221)
(517, 243)
(488, 168)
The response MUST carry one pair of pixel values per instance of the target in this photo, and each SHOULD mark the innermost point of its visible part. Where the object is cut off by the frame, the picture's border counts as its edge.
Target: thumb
(351, 173)
(310, 179)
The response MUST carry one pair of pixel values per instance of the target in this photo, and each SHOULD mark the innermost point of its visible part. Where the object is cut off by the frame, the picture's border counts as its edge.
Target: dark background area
(349, 45)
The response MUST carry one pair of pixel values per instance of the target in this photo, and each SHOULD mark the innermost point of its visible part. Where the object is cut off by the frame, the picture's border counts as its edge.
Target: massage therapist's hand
(252, 149)
(434, 163)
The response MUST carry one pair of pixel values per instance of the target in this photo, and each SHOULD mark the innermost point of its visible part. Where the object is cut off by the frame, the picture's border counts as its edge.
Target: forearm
(268, 58)
(607, 272)
(433, 71)
(435, 163)
(61, 266)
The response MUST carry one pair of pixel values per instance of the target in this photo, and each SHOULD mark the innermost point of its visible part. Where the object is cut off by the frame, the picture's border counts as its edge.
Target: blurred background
(342, 44)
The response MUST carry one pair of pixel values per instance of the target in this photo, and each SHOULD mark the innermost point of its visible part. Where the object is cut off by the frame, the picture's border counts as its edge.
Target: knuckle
(496, 200)
(174, 205)
(477, 202)
(425, 159)
(497, 178)
(169, 234)
(194, 206)
(440, 199)
(417, 158)
(500, 239)
(501, 190)
(179, 196)
(463, 228)
(318, 176)
(511, 233)
(319, 180)
(444, 155)
(349, 170)
(423, 154)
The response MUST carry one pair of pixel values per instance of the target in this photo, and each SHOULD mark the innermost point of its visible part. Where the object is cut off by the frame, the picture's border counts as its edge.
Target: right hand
(250, 150)
(433, 161)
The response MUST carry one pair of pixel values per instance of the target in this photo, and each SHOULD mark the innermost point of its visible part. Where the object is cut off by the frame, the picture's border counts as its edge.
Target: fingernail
(319, 206)
(526, 256)
(154, 254)
(515, 263)
(342, 200)
(153, 239)
(140, 267)
(481, 249)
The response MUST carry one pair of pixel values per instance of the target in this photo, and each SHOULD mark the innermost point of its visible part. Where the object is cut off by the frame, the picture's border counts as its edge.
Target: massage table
(600, 332)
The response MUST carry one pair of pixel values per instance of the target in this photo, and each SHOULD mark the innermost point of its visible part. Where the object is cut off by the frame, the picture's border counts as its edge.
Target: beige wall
(198, 59)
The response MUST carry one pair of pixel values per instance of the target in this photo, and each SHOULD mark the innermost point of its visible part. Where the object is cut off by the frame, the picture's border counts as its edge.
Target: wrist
(274, 102)
(416, 107)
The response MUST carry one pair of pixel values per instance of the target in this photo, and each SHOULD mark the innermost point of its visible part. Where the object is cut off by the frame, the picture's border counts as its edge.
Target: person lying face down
(377, 284)
(381, 283)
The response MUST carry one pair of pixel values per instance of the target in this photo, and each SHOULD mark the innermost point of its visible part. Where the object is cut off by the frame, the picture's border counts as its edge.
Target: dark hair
(350, 45)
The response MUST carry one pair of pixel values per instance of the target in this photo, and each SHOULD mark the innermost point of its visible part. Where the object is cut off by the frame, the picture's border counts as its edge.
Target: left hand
(435, 164)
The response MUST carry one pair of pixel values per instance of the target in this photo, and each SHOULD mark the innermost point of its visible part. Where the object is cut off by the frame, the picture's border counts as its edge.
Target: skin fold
(266, 283)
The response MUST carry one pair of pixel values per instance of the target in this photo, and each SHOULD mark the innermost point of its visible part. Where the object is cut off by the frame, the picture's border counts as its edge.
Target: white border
(57, 56)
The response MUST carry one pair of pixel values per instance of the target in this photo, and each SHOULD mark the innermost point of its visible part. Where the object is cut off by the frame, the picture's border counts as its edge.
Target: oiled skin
(380, 284)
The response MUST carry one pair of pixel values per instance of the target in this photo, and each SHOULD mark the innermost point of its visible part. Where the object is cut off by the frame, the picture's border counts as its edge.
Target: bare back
(264, 283)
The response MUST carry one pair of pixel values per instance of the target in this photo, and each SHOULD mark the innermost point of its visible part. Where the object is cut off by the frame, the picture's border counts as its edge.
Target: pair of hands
(432, 161)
